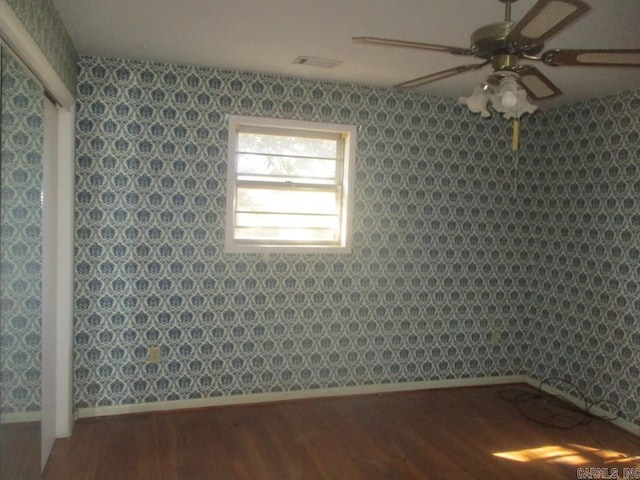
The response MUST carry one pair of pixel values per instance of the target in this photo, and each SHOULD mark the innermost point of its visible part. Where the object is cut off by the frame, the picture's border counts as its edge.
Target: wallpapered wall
(22, 128)
(432, 275)
(585, 231)
(43, 22)
(451, 246)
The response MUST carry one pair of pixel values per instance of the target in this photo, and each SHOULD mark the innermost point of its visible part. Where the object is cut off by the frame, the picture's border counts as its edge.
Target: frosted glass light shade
(478, 101)
(507, 98)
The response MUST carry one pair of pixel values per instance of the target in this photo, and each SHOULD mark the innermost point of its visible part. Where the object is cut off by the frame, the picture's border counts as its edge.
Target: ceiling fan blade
(417, 82)
(545, 19)
(403, 43)
(537, 85)
(593, 58)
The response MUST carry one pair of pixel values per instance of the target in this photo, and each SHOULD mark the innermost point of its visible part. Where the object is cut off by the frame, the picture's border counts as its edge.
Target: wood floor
(467, 433)
(20, 451)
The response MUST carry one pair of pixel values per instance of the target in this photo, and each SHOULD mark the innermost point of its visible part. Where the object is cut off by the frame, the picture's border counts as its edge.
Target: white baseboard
(620, 422)
(20, 417)
(256, 398)
(296, 395)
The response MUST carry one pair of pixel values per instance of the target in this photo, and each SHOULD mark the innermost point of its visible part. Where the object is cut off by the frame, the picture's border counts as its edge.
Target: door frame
(60, 391)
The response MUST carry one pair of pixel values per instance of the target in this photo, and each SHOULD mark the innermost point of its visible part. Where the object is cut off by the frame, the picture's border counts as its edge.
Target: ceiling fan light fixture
(507, 98)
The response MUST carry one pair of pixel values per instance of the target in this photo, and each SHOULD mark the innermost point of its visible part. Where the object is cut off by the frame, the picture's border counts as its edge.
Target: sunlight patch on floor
(569, 454)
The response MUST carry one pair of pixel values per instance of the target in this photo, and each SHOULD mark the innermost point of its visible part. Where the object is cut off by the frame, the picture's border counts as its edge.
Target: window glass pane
(284, 166)
(286, 235)
(281, 220)
(252, 199)
(287, 145)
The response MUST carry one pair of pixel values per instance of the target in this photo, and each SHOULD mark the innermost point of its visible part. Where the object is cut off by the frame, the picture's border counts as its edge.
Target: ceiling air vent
(316, 62)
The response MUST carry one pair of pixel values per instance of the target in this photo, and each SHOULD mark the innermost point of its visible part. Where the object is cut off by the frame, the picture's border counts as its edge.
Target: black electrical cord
(555, 411)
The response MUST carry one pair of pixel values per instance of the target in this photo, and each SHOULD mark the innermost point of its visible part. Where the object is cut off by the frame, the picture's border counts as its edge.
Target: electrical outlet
(155, 354)
(495, 337)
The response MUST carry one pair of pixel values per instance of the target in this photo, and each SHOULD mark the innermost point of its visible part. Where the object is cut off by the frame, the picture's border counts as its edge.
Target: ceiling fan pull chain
(516, 157)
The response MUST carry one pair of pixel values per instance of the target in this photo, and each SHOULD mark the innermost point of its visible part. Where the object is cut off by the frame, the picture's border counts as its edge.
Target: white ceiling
(267, 35)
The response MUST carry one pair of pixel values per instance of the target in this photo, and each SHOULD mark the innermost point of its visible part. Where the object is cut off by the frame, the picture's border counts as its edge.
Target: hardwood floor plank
(466, 433)
(18, 457)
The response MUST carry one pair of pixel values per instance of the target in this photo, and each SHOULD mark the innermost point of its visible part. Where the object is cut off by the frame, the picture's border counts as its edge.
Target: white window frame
(346, 179)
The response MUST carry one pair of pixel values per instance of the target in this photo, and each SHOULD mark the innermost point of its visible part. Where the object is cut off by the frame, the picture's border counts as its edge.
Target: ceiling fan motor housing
(504, 61)
(494, 39)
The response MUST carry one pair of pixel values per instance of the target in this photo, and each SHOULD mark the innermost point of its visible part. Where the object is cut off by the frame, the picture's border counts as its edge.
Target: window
(289, 186)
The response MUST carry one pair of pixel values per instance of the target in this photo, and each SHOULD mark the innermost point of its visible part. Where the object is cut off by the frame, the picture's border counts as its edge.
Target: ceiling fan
(503, 45)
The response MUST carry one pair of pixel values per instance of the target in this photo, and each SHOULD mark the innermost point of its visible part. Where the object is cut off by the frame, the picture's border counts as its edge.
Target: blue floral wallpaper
(43, 22)
(452, 274)
(585, 237)
(21, 136)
